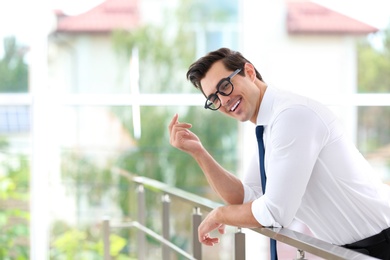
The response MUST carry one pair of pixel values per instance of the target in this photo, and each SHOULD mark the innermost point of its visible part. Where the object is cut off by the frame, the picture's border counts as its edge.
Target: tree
(374, 77)
(13, 69)
(374, 66)
(14, 214)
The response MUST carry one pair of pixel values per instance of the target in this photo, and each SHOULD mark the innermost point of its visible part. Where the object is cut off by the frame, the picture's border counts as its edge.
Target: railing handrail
(293, 238)
(190, 198)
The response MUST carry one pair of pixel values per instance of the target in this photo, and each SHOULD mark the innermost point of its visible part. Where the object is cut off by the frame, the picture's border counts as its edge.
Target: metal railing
(302, 242)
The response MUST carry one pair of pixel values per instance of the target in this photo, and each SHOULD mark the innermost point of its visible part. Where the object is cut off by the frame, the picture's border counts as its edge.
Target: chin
(239, 117)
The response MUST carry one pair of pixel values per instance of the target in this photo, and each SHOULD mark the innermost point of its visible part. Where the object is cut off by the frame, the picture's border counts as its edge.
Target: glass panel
(374, 138)
(374, 63)
(14, 119)
(97, 139)
(226, 37)
(13, 67)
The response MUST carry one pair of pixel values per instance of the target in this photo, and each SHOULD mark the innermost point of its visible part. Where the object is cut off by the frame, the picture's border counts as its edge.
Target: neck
(262, 87)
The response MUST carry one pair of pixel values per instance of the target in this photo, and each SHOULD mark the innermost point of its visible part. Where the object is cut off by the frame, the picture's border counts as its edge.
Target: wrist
(199, 153)
(220, 214)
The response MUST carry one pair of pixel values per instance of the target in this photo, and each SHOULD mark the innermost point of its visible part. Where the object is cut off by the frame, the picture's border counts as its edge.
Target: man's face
(243, 103)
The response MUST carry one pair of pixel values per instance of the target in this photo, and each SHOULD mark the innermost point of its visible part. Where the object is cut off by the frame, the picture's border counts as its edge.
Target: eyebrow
(220, 81)
(228, 77)
(216, 87)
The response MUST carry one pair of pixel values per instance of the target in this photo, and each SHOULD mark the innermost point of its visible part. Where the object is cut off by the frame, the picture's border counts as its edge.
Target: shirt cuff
(250, 194)
(262, 214)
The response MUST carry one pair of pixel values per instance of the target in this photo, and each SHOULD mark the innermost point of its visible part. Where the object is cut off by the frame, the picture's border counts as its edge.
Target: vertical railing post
(165, 226)
(141, 220)
(239, 245)
(196, 245)
(106, 238)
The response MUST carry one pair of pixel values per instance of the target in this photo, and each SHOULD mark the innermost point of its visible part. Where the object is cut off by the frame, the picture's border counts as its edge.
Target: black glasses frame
(213, 97)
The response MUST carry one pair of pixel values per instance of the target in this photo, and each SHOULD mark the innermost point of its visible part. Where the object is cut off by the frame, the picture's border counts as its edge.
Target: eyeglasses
(225, 88)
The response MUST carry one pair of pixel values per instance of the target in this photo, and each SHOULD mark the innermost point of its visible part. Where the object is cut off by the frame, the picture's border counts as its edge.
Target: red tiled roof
(310, 18)
(106, 17)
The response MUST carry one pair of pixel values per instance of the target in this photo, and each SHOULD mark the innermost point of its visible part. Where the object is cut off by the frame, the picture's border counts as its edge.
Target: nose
(224, 99)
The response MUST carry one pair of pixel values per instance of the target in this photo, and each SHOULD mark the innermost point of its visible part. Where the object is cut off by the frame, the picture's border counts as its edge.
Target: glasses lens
(213, 102)
(225, 88)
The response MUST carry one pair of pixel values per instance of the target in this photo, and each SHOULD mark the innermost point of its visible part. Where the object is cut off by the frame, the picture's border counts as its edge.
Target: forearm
(225, 184)
(237, 215)
(232, 215)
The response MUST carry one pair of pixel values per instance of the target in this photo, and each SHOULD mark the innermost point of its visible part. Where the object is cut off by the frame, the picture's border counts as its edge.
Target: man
(314, 174)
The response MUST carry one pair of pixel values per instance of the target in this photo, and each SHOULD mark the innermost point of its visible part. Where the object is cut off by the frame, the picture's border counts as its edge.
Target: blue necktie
(260, 143)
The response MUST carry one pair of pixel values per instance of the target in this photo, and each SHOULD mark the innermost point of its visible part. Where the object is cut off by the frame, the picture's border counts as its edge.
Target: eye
(225, 86)
(213, 98)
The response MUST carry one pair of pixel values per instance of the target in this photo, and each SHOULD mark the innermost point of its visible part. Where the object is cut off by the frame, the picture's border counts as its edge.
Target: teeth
(235, 105)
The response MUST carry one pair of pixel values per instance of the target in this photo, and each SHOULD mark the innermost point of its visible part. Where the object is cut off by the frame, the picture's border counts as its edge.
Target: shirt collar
(265, 110)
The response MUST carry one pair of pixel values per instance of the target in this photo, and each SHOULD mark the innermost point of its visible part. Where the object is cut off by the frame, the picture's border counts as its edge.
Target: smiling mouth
(234, 107)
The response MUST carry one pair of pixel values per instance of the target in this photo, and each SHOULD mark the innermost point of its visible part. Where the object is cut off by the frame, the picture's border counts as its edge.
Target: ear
(250, 71)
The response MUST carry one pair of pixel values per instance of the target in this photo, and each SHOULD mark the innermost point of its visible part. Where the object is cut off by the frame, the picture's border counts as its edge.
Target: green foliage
(374, 66)
(84, 175)
(205, 11)
(153, 156)
(374, 77)
(164, 54)
(13, 69)
(162, 71)
(76, 244)
(11, 234)
(14, 216)
(373, 130)
(71, 242)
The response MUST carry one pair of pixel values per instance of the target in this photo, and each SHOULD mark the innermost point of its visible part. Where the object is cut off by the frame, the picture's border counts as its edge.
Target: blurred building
(82, 58)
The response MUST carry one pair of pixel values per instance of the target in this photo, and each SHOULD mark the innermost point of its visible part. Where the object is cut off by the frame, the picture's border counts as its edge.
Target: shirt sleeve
(293, 142)
(251, 180)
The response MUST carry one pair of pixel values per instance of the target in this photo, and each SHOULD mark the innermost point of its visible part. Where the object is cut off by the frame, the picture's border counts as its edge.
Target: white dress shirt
(314, 173)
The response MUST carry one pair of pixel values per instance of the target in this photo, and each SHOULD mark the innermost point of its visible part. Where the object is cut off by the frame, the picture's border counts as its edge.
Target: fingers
(209, 224)
(177, 130)
(173, 122)
(209, 241)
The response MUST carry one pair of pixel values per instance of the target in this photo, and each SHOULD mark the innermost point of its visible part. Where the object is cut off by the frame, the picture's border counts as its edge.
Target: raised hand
(182, 138)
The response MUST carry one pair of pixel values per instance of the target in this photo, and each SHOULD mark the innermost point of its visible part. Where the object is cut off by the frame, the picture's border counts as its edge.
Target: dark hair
(232, 60)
